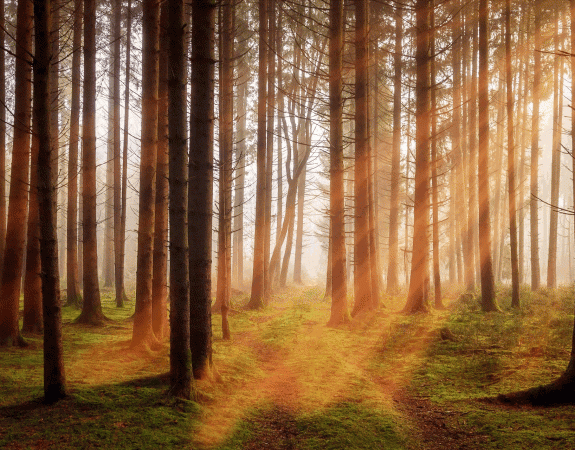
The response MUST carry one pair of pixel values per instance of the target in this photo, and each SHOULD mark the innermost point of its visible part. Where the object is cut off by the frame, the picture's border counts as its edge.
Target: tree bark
(488, 302)
(555, 159)
(143, 333)
(339, 309)
(392, 280)
(74, 297)
(511, 160)
(362, 274)
(160, 262)
(120, 248)
(91, 308)
(225, 178)
(180, 356)
(534, 202)
(33, 322)
(19, 181)
(257, 298)
(200, 194)
(54, 378)
(418, 288)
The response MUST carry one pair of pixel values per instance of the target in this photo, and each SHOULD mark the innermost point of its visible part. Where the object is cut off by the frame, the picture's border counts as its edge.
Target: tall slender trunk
(257, 298)
(32, 281)
(117, 190)
(19, 181)
(91, 308)
(72, 276)
(472, 159)
(121, 248)
(225, 178)
(160, 262)
(271, 74)
(280, 101)
(54, 378)
(200, 195)
(556, 158)
(488, 302)
(339, 309)
(434, 164)
(534, 202)
(511, 159)
(180, 356)
(362, 274)
(418, 289)
(143, 333)
(297, 278)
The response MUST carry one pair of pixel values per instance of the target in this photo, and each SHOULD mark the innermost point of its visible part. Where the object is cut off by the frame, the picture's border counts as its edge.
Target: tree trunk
(54, 379)
(280, 101)
(472, 163)
(271, 74)
(19, 181)
(180, 356)
(143, 333)
(339, 309)
(392, 281)
(200, 194)
(73, 295)
(225, 178)
(33, 322)
(160, 262)
(300, 215)
(362, 274)
(418, 289)
(91, 308)
(257, 298)
(121, 238)
(488, 302)
(555, 160)
(434, 163)
(243, 79)
(534, 202)
(511, 160)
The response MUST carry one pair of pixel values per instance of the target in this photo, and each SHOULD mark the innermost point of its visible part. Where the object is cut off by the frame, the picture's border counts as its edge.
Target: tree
(487, 282)
(72, 280)
(392, 282)
(180, 357)
(339, 309)
(417, 299)
(556, 158)
(143, 333)
(54, 379)
(92, 307)
(257, 297)
(362, 273)
(225, 179)
(201, 178)
(160, 262)
(434, 163)
(19, 181)
(534, 213)
(511, 160)
(120, 238)
(33, 322)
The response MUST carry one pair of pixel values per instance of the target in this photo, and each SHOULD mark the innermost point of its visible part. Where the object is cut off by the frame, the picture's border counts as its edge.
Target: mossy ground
(386, 380)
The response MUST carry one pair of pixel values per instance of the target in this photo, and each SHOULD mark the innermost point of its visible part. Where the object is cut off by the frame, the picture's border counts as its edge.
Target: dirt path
(310, 367)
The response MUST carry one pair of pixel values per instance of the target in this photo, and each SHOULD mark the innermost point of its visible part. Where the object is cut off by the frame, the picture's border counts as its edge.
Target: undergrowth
(288, 381)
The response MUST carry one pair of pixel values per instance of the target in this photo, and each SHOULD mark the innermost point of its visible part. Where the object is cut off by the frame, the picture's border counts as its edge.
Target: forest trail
(304, 367)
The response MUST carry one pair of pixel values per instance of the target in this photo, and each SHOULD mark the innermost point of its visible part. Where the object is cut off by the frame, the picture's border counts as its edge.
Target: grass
(290, 382)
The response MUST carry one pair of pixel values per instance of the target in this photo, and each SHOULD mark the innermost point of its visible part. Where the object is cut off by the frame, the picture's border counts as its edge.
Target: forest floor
(286, 381)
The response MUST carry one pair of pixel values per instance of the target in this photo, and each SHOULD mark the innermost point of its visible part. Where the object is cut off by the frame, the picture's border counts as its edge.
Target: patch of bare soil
(275, 430)
(437, 428)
